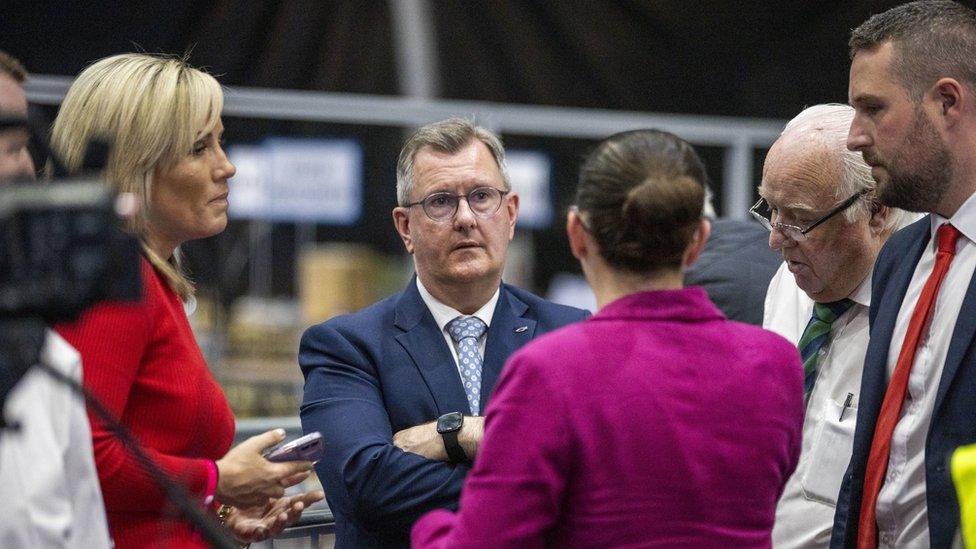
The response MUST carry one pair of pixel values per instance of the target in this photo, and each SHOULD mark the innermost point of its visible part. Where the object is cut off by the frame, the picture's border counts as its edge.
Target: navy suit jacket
(386, 368)
(735, 269)
(954, 417)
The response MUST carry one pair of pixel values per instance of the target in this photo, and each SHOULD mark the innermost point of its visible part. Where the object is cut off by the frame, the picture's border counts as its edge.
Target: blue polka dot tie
(466, 331)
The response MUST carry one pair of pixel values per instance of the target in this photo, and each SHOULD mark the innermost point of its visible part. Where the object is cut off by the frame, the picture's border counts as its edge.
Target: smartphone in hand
(307, 448)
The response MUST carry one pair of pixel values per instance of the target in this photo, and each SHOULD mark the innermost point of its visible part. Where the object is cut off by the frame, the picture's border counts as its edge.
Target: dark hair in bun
(641, 194)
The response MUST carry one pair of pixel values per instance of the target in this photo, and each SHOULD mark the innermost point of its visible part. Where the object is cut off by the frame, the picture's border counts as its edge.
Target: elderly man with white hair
(819, 204)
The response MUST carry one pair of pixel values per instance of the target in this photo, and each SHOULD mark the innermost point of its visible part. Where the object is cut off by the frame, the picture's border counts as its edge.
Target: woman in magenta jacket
(656, 422)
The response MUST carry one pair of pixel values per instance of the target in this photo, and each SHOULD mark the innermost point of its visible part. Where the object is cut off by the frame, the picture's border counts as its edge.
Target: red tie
(867, 529)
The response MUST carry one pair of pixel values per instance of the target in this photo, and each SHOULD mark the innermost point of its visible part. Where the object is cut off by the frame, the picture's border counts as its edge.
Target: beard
(920, 174)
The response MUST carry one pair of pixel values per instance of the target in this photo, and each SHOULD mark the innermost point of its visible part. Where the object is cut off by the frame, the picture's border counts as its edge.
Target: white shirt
(49, 493)
(444, 313)
(805, 512)
(902, 512)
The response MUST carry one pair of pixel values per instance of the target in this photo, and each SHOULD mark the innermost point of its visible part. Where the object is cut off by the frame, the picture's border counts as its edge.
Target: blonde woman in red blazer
(141, 359)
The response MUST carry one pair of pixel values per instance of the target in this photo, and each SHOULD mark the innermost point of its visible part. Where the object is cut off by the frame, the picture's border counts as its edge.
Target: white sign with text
(298, 180)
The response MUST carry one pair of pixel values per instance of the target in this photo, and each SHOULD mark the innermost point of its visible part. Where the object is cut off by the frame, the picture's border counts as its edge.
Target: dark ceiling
(766, 59)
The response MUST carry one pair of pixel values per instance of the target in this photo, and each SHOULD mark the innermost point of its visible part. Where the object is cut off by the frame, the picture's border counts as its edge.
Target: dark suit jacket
(954, 417)
(735, 269)
(385, 368)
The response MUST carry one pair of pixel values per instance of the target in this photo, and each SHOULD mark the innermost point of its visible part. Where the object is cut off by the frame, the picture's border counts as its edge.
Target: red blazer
(142, 361)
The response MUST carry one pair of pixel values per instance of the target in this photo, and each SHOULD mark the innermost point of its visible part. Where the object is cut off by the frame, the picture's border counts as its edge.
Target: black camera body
(62, 249)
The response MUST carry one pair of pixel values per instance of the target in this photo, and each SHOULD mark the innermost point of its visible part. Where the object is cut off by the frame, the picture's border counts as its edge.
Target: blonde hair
(150, 109)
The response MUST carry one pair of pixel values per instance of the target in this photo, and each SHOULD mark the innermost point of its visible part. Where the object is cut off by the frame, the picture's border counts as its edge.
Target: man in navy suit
(912, 86)
(397, 399)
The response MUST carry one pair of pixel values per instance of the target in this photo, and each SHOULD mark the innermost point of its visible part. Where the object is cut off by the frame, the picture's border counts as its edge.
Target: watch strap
(453, 447)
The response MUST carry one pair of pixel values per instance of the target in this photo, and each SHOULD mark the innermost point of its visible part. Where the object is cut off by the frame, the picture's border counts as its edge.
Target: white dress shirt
(902, 512)
(49, 493)
(443, 314)
(805, 512)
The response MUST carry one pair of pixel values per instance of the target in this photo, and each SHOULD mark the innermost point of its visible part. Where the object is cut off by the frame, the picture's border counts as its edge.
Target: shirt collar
(862, 294)
(964, 219)
(444, 313)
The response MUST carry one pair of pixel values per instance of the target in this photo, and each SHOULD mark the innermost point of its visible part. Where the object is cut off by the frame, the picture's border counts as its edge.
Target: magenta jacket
(655, 423)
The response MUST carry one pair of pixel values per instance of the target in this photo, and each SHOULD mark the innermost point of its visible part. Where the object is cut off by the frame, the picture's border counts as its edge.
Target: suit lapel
(887, 314)
(425, 344)
(509, 330)
(890, 282)
(885, 305)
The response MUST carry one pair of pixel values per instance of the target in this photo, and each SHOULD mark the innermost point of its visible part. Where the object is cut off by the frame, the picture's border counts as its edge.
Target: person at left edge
(141, 359)
(377, 381)
(49, 494)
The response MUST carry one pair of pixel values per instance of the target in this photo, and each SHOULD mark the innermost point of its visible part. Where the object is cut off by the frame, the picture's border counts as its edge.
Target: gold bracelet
(223, 512)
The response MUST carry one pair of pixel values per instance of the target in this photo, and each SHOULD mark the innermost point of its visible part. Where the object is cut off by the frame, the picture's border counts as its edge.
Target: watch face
(449, 422)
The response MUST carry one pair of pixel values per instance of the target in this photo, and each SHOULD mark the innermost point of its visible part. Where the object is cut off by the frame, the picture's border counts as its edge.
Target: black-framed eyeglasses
(483, 201)
(764, 214)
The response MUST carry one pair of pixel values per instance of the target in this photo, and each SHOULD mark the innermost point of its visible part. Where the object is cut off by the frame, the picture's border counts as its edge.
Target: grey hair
(446, 136)
(830, 123)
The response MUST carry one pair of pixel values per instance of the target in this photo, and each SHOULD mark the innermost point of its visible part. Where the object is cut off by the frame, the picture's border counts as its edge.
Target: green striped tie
(815, 336)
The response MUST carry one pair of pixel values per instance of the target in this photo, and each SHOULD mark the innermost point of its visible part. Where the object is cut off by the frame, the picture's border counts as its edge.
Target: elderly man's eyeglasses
(483, 201)
(764, 214)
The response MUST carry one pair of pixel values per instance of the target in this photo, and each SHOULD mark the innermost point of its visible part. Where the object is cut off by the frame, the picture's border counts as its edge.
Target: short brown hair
(931, 38)
(12, 66)
(641, 194)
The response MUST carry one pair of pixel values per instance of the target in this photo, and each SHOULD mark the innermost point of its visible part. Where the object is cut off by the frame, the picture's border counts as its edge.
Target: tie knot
(466, 326)
(829, 312)
(947, 235)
